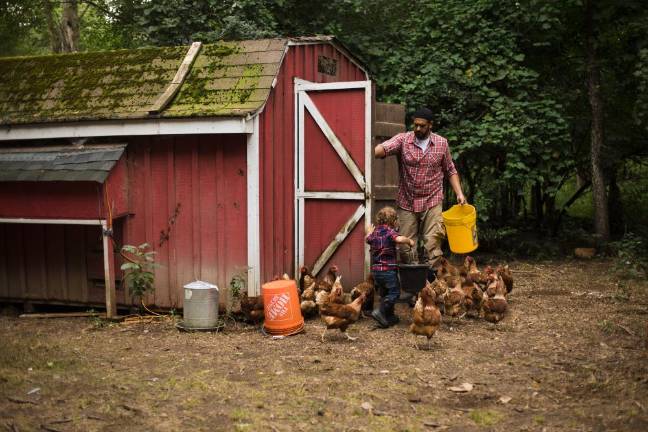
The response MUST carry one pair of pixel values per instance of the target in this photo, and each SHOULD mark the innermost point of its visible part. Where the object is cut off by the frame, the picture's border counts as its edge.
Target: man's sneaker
(380, 318)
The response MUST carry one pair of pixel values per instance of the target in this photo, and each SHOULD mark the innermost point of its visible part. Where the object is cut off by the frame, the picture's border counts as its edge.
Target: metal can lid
(200, 285)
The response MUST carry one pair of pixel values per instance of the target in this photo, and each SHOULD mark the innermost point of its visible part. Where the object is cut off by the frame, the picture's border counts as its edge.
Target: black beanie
(423, 113)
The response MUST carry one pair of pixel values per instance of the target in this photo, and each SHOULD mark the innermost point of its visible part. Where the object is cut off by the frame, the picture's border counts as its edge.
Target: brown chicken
(306, 279)
(477, 276)
(366, 287)
(308, 308)
(494, 302)
(491, 285)
(309, 292)
(334, 295)
(308, 305)
(337, 291)
(507, 277)
(326, 283)
(455, 300)
(440, 288)
(446, 271)
(341, 316)
(473, 297)
(426, 317)
(321, 297)
(252, 308)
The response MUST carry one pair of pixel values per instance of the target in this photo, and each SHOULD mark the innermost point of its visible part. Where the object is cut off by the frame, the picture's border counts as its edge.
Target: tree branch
(100, 7)
(568, 203)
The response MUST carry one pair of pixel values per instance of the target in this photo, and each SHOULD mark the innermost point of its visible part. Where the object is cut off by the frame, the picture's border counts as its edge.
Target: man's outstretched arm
(456, 186)
(379, 152)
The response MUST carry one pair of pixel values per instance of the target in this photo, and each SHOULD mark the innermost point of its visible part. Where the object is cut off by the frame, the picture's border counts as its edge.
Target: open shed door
(333, 181)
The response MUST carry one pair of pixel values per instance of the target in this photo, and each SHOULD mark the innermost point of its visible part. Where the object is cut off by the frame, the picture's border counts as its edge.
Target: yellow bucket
(461, 227)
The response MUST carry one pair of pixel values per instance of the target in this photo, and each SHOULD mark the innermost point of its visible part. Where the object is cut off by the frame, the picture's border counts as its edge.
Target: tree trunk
(52, 27)
(70, 26)
(601, 222)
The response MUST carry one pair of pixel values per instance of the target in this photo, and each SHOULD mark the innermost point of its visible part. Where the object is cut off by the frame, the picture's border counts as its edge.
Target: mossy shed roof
(226, 79)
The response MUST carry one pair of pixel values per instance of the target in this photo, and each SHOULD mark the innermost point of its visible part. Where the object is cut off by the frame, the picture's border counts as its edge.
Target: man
(423, 161)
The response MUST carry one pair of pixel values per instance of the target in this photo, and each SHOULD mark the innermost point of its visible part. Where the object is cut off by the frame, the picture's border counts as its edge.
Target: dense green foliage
(507, 80)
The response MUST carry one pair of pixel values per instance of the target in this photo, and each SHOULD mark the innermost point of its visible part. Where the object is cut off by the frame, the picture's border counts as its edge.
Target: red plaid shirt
(420, 185)
(382, 245)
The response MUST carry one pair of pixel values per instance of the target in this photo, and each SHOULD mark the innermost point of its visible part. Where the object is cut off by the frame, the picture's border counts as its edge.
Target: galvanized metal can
(200, 305)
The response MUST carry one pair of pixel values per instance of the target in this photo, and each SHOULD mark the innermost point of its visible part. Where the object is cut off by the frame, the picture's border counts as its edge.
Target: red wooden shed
(238, 158)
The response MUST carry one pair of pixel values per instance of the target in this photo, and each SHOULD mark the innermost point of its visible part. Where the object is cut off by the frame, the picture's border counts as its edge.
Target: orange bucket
(281, 308)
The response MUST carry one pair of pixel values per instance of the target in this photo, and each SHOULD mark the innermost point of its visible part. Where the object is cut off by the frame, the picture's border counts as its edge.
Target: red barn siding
(54, 263)
(277, 193)
(117, 188)
(57, 200)
(325, 171)
(50, 262)
(64, 199)
(206, 177)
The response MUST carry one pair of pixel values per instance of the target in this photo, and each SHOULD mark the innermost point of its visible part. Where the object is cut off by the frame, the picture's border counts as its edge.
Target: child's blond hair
(386, 216)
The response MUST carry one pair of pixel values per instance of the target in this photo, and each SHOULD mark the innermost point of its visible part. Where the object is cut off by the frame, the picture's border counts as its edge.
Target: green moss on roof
(227, 78)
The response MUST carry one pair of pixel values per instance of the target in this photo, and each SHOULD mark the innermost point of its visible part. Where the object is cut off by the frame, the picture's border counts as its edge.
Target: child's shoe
(392, 318)
(380, 317)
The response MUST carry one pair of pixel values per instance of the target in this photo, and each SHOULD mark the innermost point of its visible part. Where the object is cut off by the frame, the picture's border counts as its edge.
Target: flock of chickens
(456, 291)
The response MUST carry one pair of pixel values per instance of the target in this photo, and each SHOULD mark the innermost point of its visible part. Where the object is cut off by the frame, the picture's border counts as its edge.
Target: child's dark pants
(388, 286)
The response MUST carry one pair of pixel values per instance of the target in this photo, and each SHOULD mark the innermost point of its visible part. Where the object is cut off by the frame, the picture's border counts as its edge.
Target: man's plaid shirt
(420, 186)
(382, 245)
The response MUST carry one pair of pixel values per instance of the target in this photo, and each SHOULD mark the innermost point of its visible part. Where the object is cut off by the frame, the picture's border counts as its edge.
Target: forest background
(544, 103)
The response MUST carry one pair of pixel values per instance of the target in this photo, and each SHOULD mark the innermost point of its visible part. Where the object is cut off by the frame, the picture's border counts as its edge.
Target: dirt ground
(571, 355)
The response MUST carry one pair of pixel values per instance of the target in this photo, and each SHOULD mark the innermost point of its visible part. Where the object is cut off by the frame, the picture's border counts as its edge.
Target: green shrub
(631, 256)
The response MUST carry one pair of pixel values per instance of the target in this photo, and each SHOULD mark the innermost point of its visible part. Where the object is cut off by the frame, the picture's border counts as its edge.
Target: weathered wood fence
(389, 120)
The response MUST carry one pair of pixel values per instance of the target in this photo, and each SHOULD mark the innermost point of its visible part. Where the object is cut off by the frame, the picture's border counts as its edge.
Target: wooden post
(109, 271)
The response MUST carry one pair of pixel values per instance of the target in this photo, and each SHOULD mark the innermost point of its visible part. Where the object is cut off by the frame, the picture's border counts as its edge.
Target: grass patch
(485, 417)
(239, 415)
(622, 293)
(606, 327)
(32, 352)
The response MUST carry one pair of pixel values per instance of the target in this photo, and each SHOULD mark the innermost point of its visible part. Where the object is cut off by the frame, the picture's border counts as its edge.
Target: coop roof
(224, 79)
(59, 164)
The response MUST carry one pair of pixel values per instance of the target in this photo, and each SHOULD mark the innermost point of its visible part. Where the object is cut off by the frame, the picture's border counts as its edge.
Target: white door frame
(304, 103)
(253, 211)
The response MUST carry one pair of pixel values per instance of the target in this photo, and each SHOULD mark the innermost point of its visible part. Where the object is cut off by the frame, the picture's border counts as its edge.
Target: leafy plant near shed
(139, 269)
(237, 285)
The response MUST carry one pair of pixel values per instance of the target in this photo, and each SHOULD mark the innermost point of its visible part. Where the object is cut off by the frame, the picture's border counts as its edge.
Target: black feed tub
(413, 277)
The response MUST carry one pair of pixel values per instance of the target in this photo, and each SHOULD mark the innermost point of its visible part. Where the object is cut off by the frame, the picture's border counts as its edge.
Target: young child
(382, 240)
